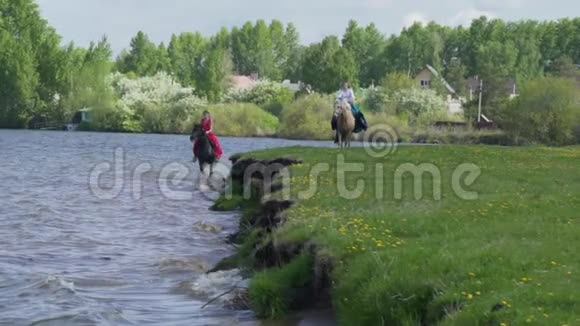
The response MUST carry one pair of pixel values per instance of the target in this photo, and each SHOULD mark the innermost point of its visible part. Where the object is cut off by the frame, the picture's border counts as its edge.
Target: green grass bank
(492, 240)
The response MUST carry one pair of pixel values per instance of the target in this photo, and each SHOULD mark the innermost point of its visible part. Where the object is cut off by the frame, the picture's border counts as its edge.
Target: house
(424, 80)
(428, 74)
(241, 83)
(294, 87)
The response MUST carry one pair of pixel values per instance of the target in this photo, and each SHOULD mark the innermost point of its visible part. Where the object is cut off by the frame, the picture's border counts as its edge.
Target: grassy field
(508, 257)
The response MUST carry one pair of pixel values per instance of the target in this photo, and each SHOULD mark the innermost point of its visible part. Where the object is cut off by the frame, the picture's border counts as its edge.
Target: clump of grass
(227, 203)
(274, 292)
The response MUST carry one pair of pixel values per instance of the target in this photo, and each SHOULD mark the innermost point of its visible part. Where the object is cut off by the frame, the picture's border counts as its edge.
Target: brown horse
(345, 123)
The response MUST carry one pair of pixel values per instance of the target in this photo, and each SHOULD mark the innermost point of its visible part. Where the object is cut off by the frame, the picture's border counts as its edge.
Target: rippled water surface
(72, 256)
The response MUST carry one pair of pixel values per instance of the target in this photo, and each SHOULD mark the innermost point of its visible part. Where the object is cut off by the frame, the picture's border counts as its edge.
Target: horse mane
(345, 118)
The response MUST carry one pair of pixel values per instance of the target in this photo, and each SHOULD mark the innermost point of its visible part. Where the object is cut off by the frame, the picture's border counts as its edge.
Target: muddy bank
(286, 278)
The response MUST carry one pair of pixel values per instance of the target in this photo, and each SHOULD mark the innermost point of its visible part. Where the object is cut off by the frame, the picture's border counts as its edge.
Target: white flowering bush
(157, 103)
(420, 106)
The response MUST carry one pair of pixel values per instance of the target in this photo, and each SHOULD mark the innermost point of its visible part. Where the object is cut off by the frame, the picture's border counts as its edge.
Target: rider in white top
(345, 93)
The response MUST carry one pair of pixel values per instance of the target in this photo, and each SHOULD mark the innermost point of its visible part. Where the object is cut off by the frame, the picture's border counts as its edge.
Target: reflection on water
(68, 257)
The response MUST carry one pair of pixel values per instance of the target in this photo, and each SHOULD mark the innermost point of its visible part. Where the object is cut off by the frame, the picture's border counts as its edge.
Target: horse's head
(197, 131)
(341, 106)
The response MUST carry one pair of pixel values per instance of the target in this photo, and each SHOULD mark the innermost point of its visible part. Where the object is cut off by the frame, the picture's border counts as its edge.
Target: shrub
(376, 100)
(108, 118)
(421, 107)
(241, 120)
(546, 111)
(307, 118)
(269, 95)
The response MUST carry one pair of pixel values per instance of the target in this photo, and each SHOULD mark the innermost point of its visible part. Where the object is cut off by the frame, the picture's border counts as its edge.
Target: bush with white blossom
(156, 104)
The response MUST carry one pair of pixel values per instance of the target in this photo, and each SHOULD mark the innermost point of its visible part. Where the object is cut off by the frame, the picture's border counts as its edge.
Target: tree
(295, 51)
(213, 72)
(18, 81)
(30, 56)
(496, 63)
(367, 45)
(279, 46)
(262, 48)
(372, 69)
(326, 65)
(455, 75)
(143, 58)
(253, 50)
(90, 87)
(185, 51)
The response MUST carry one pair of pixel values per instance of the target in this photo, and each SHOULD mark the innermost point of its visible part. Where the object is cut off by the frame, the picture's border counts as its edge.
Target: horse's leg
(349, 140)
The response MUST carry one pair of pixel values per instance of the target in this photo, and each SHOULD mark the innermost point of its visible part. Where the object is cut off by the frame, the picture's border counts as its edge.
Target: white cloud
(465, 17)
(415, 17)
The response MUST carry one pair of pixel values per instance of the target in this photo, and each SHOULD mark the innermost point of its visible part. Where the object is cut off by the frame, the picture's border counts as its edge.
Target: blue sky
(82, 21)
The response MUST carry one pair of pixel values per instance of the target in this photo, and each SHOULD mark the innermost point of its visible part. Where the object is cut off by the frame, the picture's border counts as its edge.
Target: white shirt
(346, 95)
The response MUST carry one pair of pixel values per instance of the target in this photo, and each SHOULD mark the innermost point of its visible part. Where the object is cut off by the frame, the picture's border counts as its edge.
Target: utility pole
(479, 107)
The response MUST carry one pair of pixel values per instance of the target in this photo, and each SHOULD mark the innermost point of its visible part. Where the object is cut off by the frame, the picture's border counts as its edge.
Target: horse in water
(345, 123)
(205, 152)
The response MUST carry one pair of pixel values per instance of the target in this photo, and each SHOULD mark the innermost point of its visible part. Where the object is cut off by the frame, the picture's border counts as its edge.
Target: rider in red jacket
(206, 124)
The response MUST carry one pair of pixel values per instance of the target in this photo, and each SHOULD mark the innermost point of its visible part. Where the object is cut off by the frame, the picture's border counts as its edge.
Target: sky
(83, 21)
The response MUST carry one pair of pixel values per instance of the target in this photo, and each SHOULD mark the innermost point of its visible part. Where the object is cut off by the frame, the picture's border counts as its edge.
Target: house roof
(241, 82)
(436, 74)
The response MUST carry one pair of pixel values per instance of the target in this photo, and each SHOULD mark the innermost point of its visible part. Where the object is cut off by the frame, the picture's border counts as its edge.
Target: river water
(127, 249)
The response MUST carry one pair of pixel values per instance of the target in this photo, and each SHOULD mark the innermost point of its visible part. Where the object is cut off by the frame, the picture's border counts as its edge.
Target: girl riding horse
(206, 126)
(347, 94)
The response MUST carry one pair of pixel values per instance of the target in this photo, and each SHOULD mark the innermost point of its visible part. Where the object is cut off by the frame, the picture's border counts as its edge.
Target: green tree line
(43, 80)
